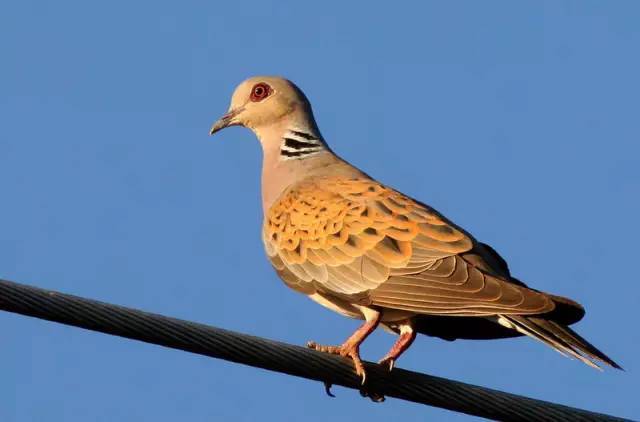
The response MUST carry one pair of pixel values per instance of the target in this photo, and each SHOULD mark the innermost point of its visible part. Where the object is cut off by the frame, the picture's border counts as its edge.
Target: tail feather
(579, 342)
(561, 338)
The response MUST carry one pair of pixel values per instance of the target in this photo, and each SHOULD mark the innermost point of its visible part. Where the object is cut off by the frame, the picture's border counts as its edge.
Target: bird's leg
(407, 335)
(351, 347)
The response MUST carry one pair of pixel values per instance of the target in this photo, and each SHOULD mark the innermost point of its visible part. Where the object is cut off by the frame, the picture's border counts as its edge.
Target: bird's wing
(357, 239)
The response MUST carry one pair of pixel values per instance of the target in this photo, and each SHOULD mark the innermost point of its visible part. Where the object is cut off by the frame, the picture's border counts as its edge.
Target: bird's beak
(226, 120)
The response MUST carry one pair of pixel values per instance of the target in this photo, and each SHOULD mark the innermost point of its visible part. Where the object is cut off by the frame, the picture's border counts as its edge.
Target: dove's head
(265, 101)
(280, 115)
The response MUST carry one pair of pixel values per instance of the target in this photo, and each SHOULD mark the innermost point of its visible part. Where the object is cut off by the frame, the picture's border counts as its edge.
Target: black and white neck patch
(298, 144)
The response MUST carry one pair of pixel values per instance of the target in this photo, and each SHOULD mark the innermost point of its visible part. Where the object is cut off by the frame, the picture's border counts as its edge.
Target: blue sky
(518, 120)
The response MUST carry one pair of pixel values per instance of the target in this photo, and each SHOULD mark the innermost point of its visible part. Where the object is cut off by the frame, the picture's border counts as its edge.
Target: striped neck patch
(298, 144)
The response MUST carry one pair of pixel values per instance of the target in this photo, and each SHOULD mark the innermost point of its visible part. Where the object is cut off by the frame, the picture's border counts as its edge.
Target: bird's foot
(407, 335)
(347, 349)
(373, 396)
(364, 392)
(388, 361)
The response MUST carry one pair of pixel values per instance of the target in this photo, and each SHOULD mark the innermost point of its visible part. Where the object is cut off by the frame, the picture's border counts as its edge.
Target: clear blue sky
(518, 120)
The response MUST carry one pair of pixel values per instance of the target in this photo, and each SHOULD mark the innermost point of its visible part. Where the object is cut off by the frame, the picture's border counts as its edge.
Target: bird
(369, 252)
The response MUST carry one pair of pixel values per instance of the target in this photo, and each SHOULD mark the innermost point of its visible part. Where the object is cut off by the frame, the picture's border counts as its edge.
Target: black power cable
(281, 357)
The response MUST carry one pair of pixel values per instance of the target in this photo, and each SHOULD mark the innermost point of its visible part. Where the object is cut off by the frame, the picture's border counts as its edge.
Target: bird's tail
(559, 337)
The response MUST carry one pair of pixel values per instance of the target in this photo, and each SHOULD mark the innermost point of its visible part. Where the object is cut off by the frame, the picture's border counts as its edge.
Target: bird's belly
(395, 315)
(336, 305)
(356, 311)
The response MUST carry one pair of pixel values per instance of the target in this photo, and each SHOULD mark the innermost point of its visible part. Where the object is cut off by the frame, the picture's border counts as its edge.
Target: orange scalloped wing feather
(358, 239)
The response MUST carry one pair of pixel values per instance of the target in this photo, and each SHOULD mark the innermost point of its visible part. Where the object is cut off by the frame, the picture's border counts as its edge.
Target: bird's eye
(260, 91)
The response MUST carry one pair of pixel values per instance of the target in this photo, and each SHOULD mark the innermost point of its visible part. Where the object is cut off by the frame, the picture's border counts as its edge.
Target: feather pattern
(356, 237)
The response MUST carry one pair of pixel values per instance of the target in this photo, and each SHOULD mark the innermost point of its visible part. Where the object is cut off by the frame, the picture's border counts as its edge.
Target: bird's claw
(389, 362)
(351, 351)
(345, 350)
(327, 389)
(375, 397)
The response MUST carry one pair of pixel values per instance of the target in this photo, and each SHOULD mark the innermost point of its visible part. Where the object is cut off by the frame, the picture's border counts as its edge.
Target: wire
(281, 357)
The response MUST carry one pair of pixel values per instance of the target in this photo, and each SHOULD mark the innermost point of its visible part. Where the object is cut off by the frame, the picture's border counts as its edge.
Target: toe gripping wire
(281, 357)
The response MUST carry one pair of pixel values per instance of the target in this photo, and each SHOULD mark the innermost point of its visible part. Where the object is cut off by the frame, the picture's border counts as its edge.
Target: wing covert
(354, 237)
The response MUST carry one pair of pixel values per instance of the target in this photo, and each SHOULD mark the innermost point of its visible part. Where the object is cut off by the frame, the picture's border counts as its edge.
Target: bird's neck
(300, 144)
(291, 150)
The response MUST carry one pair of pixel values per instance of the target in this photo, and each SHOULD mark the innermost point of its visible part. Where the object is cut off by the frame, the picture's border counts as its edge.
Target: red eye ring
(260, 91)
